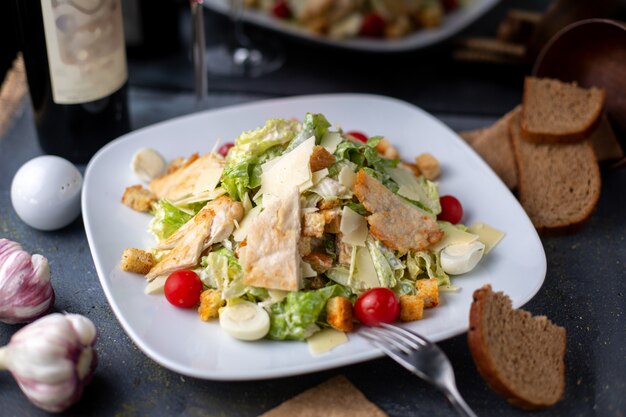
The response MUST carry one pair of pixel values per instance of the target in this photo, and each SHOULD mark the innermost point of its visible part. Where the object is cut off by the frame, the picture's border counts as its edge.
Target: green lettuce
(167, 219)
(386, 276)
(313, 125)
(295, 317)
(426, 265)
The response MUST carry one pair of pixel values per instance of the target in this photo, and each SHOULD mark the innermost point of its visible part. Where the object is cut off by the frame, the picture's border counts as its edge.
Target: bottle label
(85, 43)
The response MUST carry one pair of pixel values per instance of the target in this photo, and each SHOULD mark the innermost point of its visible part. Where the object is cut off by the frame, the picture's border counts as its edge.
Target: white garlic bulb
(52, 359)
(25, 289)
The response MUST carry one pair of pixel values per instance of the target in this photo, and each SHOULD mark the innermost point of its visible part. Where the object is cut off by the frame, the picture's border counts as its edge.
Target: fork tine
(389, 340)
(413, 336)
(399, 337)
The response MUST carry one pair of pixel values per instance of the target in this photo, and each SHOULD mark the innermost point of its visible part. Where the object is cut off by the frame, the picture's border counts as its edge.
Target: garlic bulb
(52, 359)
(25, 289)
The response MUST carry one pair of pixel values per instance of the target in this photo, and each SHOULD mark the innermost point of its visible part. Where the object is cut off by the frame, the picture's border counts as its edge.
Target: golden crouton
(344, 250)
(398, 27)
(411, 307)
(328, 204)
(320, 262)
(428, 166)
(332, 219)
(305, 245)
(313, 225)
(320, 159)
(428, 289)
(138, 198)
(430, 17)
(137, 260)
(210, 303)
(385, 148)
(339, 314)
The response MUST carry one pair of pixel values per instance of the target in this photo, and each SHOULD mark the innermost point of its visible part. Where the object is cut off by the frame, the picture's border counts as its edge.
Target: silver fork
(420, 356)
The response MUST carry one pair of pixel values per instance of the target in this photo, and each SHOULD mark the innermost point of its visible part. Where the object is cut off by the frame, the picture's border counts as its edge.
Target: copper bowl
(591, 52)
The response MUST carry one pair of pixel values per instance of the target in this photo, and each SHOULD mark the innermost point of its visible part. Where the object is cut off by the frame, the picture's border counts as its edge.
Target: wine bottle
(76, 69)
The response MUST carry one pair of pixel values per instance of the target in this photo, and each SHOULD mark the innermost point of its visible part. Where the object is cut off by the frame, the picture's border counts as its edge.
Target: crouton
(428, 289)
(328, 204)
(317, 282)
(398, 27)
(137, 260)
(430, 17)
(304, 245)
(313, 225)
(332, 220)
(138, 198)
(344, 250)
(339, 314)
(428, 166)
(396, 223)
(385, 148)
(411, 307)
(210, 303)
(320, 159)
(320, 262)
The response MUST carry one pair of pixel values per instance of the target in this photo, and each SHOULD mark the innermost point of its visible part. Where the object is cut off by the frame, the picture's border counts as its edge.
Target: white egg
(461, 258)
(45, 192)
(245, 320)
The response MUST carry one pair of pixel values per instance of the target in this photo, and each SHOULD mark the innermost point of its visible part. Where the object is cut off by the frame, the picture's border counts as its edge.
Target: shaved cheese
(326, 340)
(330, 141)
(307, 270)
(208, 178)
(488, 235)
(156, 285)
(317, 176)
(240, 234)
(353, 227)
(291, 170)
(197, 198)
(247, 203)
(452, 236)
(407, 182)
(347, 177)
(365, 276)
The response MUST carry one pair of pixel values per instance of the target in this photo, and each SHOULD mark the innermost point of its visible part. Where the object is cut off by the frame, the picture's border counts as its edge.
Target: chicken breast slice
(394, 221)
(210, 225)
(271, 259)
(202, 174)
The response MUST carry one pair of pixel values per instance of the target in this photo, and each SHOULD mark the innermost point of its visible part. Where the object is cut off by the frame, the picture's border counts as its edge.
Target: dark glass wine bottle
(76, 68)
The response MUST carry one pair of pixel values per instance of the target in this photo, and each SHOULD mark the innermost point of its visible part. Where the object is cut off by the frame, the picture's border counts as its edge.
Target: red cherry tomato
(357, 135)
(183, 288)
(223, 150)
(451, 209)
(373, 26)
(375, 306)
(281, 10)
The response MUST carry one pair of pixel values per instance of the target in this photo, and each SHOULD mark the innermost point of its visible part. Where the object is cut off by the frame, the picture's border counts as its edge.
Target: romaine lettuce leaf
(386, 276)
(314, 124)
(426, 265)
(295, 317)
(168, 218)
(256, 142)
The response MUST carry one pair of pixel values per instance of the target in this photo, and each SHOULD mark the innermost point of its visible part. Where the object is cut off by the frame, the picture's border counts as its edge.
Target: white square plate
(180, 341)
(451, 24)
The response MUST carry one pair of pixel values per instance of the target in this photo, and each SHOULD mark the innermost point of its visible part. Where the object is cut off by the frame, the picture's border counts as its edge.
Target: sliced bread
(557, 112)
(495, 148)
(605, 143)
(520, 356)
(558, 185)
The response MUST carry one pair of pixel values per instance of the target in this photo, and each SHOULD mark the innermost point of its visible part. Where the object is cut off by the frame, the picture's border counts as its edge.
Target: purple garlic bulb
(52, 359)
(25, 289)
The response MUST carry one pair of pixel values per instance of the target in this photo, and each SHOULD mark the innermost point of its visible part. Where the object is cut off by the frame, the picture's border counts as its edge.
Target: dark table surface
(583, 291)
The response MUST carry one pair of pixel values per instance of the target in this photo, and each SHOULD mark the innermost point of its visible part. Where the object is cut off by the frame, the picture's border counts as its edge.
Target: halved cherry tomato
(183, 288)
(451, 209)
(375, 306)
(373, 26)
(281, 10)
(357, 135)
(223, 150)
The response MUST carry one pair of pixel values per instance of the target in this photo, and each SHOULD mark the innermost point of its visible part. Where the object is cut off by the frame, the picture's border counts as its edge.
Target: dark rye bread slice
(558, 185)
(494, 146)
(520, 356)
(558, 112)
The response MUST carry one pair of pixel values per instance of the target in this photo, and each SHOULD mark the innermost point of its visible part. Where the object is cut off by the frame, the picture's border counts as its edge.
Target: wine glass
(199, 51)
(241, 56)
